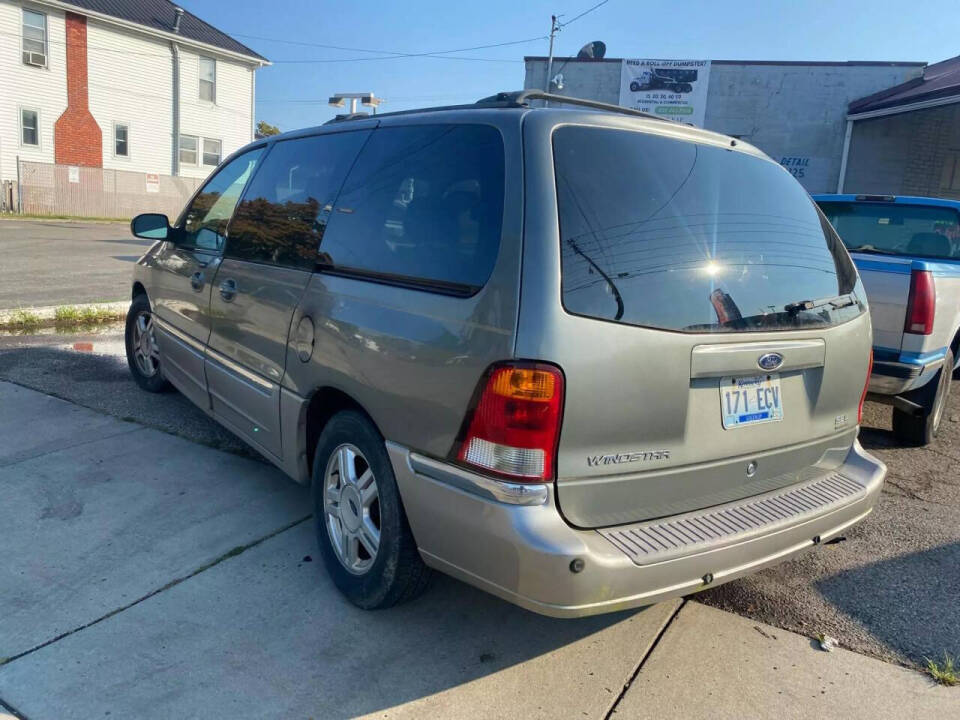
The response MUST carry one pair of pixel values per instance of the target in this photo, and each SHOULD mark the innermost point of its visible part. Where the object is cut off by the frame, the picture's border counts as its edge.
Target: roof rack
(514, 99)
(521, 98)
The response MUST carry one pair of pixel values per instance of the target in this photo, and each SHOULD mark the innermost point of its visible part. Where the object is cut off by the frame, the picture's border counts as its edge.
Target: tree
(265, 129)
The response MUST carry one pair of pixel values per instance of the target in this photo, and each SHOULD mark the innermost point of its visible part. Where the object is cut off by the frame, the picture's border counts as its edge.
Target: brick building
(905, 140)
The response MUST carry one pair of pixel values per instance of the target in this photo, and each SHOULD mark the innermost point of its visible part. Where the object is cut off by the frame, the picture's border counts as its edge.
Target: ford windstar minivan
(584, 359)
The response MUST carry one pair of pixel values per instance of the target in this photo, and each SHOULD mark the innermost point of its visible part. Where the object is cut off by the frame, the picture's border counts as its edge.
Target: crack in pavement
(12, 710)
(54, 447)
(636, 671)
(238, 550)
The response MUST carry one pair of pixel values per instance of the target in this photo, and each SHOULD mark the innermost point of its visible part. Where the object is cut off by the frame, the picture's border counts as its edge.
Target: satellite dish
(592, 51)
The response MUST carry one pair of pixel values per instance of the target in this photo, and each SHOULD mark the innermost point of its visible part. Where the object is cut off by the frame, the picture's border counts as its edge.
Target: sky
(293, 92)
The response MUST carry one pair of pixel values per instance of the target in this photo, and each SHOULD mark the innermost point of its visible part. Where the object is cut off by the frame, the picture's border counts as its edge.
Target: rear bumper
(523, 553)
(895, 373)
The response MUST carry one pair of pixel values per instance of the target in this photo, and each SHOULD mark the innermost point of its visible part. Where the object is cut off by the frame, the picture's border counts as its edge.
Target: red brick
(77, 139)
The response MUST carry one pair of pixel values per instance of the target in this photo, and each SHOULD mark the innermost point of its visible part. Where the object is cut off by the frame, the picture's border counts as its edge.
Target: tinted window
(676, 235)
(423, 203)
(283, 214)
(205, 221)
(896, 229)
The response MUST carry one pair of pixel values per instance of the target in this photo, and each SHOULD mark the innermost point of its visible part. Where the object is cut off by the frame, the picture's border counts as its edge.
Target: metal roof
(939, 81)
(159, 15)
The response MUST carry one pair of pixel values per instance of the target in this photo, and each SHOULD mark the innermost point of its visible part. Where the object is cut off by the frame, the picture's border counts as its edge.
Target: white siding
(43, 89)
(227, 120)
(130, 79)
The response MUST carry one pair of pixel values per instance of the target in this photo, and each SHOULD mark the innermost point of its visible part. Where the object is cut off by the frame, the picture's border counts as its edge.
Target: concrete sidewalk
(145, 576)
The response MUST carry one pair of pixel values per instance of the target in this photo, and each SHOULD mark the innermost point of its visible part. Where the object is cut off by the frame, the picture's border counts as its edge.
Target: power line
(585, 12)
(398, 53)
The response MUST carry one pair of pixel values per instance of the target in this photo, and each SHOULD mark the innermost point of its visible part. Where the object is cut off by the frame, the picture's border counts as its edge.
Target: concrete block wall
(793, 111)
(904, 154)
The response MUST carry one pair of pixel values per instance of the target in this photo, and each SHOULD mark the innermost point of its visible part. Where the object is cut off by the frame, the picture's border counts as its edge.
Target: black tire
(635, 86)
(151, 382)
(397, 573)
(922, 429)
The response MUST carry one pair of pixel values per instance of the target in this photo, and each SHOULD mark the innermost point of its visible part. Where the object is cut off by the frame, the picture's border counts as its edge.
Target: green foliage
(265, 129)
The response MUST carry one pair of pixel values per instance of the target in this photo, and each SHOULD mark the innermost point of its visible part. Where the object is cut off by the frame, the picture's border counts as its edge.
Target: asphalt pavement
(888, 590)
(57, 262)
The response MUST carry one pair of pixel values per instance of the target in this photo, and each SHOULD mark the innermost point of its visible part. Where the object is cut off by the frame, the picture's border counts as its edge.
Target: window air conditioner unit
(32, 58)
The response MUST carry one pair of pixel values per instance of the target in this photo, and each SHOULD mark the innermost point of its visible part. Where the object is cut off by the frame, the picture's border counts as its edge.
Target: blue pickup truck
(907, 250)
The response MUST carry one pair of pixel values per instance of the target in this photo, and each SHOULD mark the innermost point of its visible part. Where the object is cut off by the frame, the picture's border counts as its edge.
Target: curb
(46, 316)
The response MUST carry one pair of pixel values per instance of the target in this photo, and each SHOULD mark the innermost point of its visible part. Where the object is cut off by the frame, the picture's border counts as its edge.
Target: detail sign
(812, 172)
(673, 89)
(153, 182)
(73, 173)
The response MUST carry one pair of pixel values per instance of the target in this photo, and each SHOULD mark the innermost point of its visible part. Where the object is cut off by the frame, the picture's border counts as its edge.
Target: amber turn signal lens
(524, 384)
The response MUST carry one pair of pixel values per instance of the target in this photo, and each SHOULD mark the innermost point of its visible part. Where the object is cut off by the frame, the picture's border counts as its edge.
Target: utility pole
(554, 28)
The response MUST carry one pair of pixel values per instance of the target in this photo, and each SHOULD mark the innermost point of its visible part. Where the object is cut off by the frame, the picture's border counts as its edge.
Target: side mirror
(150, 226)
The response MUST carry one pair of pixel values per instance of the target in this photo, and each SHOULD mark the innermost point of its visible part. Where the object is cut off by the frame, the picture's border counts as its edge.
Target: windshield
(896, 229)
(672, 234)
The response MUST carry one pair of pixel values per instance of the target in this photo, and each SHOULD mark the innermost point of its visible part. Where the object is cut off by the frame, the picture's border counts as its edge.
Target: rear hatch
(713, 332)
(884, 239)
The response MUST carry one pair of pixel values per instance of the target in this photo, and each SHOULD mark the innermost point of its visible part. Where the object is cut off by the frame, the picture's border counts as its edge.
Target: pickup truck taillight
(514, 426)
(921, 303)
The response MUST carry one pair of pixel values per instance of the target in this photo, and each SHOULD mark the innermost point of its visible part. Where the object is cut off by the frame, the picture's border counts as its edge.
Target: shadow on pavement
(908, 602)
(97, 377)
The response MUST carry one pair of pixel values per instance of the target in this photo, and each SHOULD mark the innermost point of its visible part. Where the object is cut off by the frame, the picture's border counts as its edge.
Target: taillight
(921, 303)
(514, 427)
(866, 384)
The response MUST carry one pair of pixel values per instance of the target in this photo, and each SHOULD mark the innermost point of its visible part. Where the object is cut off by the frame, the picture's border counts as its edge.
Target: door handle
(196, 281)
(228, 290)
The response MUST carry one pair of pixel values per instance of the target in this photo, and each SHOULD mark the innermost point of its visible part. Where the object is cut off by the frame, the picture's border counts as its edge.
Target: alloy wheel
(351, 504)
(146, 353)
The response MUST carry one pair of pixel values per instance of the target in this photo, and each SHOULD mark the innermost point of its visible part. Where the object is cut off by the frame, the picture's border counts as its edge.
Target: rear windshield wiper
(840, 301)
(872, 249)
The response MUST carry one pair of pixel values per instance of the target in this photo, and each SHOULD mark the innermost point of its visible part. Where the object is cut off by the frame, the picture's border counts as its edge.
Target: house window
(34, 38)
(188, 149)
(208, 79)
(950, 179)
(211, 152)
(29, 127)
(121, 136)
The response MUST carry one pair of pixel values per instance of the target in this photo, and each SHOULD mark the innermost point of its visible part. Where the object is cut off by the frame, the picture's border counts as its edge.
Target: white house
(136, 85)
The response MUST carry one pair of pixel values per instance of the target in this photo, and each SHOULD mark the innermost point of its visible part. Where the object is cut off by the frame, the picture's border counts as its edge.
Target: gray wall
(794, 112)
(904, 154)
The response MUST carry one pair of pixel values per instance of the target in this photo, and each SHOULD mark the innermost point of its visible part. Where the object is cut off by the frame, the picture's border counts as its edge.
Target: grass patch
(87, 315)
(23, 319)
(945, 672)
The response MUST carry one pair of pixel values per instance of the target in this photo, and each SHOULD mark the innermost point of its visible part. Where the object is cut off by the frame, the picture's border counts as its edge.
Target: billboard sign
(673, 89)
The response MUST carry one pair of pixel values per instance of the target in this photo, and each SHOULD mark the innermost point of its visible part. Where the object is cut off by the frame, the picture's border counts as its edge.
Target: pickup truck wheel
(362, 530)
(143, 355)
(922, 429)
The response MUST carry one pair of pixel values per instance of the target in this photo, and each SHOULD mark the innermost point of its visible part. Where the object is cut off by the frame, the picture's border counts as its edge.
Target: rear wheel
(143, 354)
(922, 428)
(361, 527)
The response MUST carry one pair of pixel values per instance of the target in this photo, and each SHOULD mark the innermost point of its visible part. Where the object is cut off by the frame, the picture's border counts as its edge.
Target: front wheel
(922, 428)
(143, 354)
(362, 530)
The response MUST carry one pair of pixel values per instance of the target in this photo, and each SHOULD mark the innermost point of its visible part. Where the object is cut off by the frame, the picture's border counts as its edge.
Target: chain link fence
(47, 189)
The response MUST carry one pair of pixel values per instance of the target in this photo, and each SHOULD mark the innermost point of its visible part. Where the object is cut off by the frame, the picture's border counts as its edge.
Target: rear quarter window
(423, 204)
(688, 237)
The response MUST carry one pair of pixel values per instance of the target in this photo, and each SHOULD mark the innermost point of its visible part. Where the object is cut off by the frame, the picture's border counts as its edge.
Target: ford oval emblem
(770, 361)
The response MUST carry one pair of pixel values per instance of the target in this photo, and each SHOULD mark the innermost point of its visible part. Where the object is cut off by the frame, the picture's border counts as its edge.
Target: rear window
(896, 229)
(670, 234)
(423, 205)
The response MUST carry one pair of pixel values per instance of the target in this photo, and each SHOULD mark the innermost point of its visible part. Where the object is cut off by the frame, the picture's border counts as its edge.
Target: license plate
(750, 400)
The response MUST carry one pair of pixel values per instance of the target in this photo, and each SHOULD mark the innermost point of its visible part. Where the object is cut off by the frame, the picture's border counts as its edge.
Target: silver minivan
(584, 359)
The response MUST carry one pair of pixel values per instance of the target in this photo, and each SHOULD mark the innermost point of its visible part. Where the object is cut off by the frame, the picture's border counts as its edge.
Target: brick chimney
(77, 138)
